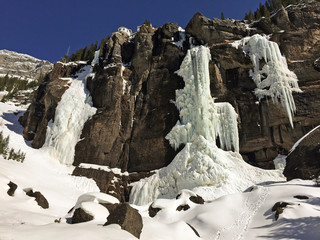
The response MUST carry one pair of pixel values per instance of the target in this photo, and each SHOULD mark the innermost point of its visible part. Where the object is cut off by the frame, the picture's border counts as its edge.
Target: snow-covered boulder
(127, 217)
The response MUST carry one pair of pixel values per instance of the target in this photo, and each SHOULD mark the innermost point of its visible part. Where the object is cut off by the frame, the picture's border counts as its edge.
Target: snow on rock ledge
(274, 79)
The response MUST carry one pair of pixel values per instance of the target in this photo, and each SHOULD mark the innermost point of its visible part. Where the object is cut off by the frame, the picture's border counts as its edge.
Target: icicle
(73, 110)
(274, 80)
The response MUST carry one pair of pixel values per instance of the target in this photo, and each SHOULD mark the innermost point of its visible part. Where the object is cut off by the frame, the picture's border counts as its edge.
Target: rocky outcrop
(45, 101)
(108, 182)
(127, 217)
(12, 188)
(39, 198)
(22, 65)
(133, 101)
(213, 31)
(80, 216)
(303, 162)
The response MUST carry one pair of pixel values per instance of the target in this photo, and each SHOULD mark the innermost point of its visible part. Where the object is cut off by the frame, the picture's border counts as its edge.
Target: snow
(274, 79)
(73, 110)
(103, 168)
(182, 38)
(124, 82)
(201, 166)
(243, 215)
(280, 162)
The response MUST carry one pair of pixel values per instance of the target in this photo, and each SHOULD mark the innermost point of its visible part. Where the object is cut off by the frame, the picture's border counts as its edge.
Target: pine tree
(222, 16)
(250, 15)
(147, 23)
(257, 14)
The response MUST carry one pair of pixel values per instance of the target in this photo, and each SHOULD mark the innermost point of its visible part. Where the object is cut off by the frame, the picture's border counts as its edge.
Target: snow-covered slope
(22, 65)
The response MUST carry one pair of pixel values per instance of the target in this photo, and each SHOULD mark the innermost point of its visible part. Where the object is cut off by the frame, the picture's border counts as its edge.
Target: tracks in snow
(241, 224)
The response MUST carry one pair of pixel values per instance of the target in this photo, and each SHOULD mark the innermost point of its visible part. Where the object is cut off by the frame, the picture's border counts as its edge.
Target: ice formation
(205, 169)
(199, 114)
(201, 166)
(274, 79)
(73, 110)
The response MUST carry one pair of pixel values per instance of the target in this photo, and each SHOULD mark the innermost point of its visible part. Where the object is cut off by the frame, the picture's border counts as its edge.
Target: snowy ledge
(116, 171)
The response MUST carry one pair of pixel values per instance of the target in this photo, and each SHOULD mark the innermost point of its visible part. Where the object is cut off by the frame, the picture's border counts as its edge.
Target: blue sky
(46, 28)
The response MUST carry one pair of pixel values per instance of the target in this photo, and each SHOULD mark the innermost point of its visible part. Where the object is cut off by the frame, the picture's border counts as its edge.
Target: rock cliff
(135, 81)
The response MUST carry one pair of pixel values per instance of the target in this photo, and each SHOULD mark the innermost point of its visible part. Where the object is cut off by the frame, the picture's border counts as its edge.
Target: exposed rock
(40, 199)
(22, 65)
(153, 211)
(303, 162)
(80, 216)
(136, 99)
(46, 98)
(278, 207)
(281, 19)
(12, 188)
(183, 207)
(301, 197)
(197, 199)
(108, 182)
(215, 30)
(127, 217)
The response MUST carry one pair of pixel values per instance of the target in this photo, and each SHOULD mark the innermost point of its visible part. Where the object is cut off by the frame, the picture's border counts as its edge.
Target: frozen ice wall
(199, 115)
(201, 166)
(73, 110)
(273, 78)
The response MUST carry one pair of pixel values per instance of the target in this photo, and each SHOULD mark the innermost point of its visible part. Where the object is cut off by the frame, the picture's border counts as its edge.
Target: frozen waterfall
(73, 110)
(273, 79)
(199, 114)
(201, 166)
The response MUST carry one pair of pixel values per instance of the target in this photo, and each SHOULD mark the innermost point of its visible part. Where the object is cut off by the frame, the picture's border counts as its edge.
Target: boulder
(80, 216)
(184, 207)
(196, 199)
(127, 217)
(278, 208)
(40, 199)
(153, 211)
(12, 188)
(304, 161)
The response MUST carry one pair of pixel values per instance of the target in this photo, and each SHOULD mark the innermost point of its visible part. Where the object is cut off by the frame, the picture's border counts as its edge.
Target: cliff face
(22, 65)
(135, 81)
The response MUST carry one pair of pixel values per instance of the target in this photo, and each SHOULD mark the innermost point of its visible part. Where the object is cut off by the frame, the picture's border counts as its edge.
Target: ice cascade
(73, 110)
(199, 114)
(201, 166)
(274, 79)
